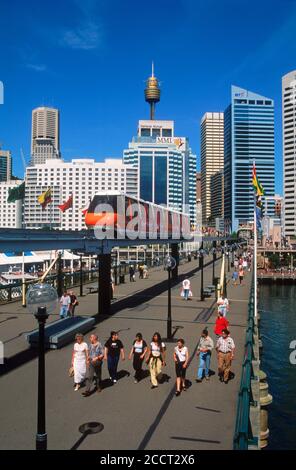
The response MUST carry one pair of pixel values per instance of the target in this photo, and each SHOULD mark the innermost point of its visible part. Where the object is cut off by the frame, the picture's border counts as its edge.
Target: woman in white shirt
(181, 357)
(79, 361)
(155, 358)
(186, 288)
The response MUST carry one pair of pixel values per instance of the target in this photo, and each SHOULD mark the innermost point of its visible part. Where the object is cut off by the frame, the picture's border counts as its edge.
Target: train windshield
(101, 200)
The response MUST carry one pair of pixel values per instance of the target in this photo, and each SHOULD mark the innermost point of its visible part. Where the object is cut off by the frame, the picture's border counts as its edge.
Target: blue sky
(90, 58)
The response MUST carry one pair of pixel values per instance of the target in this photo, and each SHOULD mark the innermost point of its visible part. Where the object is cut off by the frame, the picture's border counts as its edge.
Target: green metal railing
(243, 436)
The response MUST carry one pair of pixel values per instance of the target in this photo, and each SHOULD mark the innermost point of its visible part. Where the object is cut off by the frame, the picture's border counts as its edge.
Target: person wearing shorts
(181, 357)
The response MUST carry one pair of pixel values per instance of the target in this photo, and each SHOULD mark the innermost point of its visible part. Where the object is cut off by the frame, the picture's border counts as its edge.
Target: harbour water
(277, 304)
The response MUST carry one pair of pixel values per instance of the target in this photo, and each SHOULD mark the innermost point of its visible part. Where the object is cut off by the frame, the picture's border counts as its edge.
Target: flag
(256, 183)
(66, 205)
(18, 192)
(45, 198)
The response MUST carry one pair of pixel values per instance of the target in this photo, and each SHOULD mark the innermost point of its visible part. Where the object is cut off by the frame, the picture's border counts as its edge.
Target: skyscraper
(289, 151)
(82, 178)
(217, 195)
(5, 165)
(212, 157)
(166, 164)
(45, 140)
(248, 137)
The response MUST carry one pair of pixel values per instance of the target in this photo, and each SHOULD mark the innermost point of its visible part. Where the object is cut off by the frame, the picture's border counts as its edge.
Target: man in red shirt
(221, 324)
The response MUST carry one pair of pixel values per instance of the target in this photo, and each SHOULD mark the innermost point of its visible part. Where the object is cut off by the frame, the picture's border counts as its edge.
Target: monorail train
(126, 215)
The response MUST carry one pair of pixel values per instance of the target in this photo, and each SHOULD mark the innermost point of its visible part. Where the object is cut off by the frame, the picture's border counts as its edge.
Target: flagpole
(255, 255)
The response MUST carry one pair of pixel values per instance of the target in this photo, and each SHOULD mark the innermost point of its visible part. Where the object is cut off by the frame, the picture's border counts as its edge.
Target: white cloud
(37, 67)
(86, 37)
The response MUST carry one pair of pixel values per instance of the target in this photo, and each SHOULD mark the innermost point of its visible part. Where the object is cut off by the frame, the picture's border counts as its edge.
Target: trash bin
(121, 279)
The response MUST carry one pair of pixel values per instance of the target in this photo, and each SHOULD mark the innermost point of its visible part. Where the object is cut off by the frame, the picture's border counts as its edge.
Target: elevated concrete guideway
(134, 416)
(84, 240)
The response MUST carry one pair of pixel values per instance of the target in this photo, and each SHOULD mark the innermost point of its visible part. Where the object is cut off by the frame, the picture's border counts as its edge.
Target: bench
(92, 289)
(207, 292)
(211, 287)
(61, 332)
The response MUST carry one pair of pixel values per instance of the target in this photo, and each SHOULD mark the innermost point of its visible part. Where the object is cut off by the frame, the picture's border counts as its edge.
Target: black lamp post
(214, 251)
(81, 276)
(41, 300)
(170, 264)
(201, 266)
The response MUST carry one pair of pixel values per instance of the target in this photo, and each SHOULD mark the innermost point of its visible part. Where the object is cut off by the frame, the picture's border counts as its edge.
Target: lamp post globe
(169, 262)
(40, 297)
(41, 300)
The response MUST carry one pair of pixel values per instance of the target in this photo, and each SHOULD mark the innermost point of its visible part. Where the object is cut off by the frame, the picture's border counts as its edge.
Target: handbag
(71, 371)
(182, 293)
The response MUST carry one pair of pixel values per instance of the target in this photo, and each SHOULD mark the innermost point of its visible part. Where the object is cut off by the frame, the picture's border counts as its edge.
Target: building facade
(248, 137)
(212, 157)
(217, 196)
(166, 166)
(45, 135)
(5, 165)
(81, 178)
(289, 152)
(10, 212)
(198, 186)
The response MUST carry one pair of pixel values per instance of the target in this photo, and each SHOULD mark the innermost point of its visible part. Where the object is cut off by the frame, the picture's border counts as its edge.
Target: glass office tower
(167, 166)
(248, 137)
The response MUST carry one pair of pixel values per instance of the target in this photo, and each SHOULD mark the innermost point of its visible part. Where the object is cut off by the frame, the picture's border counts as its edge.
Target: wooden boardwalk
(133, 415)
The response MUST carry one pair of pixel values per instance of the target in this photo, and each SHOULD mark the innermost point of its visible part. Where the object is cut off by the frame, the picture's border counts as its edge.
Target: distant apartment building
(289, 151)
(166, 166)
(198, 186)
(45, 135)
(248, 137)
(10, 212)
(5, 165)
(217, 196)
(82, 178)
(212, 157)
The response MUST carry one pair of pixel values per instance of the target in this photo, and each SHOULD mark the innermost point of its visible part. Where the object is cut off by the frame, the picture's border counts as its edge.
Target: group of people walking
(143, 272)
(68, 304)
(87, 359)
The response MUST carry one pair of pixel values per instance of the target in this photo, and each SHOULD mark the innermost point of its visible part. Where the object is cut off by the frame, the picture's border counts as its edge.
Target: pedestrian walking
(223, 305)
(241, 274)
(221, 324)
(235, 278)
(79, 361)
(113, 350)
(181, 358)
(73, 303)
(156, 358)
(225, 353)
(138, 352)
(141, 271)
(64, 305)
(186, 289)
(204, 352)
(95, 362)
(145, 271)
(132, 274)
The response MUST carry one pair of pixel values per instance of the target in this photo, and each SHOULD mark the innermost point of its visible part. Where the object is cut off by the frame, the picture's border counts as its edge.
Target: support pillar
(60, 280)
(175, 254)
(104, 292)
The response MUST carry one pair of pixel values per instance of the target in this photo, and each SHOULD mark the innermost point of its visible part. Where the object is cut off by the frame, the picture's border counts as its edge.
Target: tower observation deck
(152, 92)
